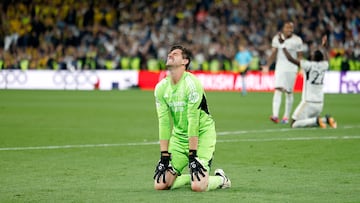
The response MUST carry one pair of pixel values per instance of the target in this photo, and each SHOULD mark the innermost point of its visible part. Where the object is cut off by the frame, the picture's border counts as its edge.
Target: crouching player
(186, 129)
(307, 113)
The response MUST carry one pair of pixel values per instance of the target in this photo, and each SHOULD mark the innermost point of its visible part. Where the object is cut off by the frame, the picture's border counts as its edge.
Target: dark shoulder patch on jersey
(203, 105)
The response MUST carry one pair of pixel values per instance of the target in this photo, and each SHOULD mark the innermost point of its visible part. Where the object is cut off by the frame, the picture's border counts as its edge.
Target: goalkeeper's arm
(196, 168)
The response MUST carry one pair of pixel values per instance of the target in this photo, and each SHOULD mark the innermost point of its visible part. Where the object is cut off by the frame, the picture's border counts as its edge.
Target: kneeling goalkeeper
(186, 129)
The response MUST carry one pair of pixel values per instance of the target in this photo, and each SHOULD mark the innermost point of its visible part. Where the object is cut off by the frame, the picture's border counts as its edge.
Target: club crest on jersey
(194, 97)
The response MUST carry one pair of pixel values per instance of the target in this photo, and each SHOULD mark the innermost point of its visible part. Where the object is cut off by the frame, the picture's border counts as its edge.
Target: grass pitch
(101, 146)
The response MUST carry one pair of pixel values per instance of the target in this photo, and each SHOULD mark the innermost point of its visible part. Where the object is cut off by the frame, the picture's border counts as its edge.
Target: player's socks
(310, 122)
(276, 103)
(323, 119)
(289, 100)
(182, 180)
(215, 182)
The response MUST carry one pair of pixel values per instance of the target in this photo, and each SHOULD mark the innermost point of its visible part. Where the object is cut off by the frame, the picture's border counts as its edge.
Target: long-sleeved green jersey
(182, 108)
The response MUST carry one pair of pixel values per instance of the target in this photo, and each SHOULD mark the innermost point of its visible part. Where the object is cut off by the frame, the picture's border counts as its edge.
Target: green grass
(51, 149)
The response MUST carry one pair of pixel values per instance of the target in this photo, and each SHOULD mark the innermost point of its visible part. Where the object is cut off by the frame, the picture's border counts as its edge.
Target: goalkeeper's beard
(171, 66)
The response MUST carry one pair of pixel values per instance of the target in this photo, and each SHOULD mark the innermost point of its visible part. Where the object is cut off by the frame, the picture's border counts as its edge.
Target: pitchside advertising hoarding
(68, 80)
(335, 82)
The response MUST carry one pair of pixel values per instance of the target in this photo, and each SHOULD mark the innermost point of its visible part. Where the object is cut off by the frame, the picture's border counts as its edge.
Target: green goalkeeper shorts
(179, 150)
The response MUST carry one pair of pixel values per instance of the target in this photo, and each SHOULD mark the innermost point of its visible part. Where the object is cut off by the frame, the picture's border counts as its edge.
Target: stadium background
(69, 34)
(101, 146)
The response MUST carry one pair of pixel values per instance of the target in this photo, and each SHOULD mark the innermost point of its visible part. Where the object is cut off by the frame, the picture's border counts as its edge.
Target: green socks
(214, 182)
(181, 181)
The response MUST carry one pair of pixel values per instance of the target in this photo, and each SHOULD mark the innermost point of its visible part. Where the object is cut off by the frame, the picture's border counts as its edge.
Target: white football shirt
(314, 73)
(293, 45)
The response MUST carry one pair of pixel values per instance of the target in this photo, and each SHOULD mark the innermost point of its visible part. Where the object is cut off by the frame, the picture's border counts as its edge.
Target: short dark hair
(186, 54)
(318, 56)
(282, 24)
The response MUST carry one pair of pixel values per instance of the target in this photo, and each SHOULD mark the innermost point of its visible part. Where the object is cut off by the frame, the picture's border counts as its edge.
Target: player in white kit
(285, 71)
(307, 113)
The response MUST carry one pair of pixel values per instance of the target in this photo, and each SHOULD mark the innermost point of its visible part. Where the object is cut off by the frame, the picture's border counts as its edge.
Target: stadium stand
(130, 34)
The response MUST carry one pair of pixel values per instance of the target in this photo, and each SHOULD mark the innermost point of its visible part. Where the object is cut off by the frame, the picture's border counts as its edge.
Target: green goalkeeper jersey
(182, 108)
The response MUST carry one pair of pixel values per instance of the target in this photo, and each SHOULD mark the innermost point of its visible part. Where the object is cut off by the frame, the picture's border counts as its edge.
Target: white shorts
(307, 110)
(285, 80)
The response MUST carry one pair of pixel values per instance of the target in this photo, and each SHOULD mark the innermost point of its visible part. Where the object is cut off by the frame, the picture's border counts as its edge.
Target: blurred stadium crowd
(136, 34)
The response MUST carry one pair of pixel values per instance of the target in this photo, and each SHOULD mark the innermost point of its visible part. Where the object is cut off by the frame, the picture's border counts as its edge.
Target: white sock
(276, 103)
(289, 100)
(324, 120)
(309, 122)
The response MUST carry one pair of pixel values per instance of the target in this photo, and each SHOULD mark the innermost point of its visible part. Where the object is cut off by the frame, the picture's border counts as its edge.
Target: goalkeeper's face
(175, 59)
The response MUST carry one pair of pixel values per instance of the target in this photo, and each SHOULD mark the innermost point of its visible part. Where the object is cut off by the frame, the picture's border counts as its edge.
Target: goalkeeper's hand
(163, 166)
(195, 166)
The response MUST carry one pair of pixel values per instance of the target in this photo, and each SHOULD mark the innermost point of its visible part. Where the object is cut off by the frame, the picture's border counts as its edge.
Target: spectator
(28, 24)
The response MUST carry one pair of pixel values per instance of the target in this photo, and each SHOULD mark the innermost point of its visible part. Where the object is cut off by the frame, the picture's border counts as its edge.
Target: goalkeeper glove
(195, 166)
(163, 166)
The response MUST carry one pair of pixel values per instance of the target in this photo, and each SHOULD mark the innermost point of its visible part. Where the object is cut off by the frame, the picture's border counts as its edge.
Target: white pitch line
(77, 146)
(220, 141)
(291, 139)
(240, 132)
